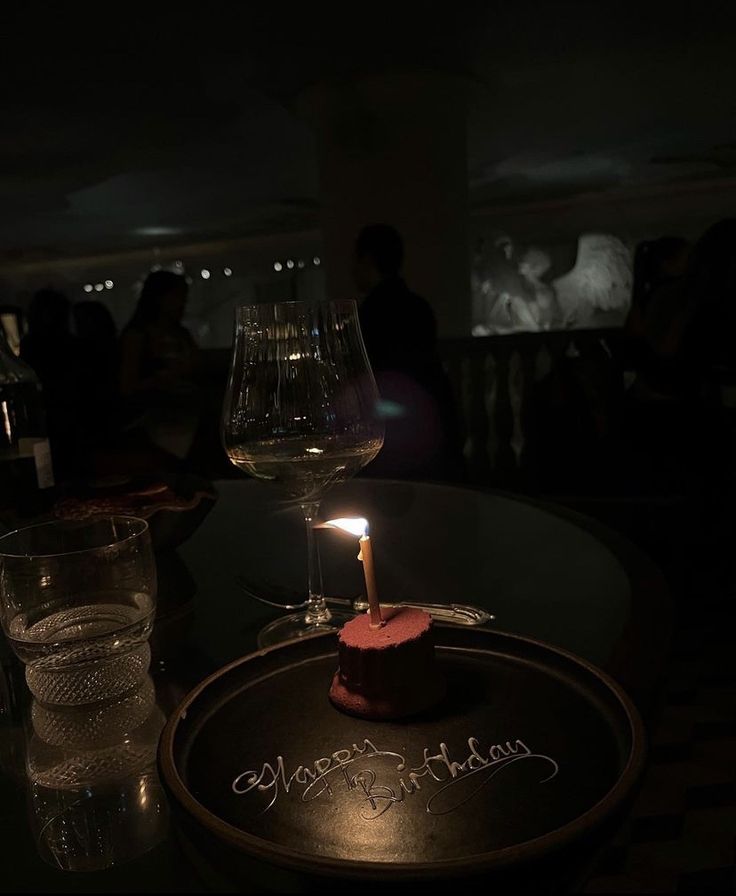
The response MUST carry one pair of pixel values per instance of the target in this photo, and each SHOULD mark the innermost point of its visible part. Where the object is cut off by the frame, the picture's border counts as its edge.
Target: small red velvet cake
(387, 672)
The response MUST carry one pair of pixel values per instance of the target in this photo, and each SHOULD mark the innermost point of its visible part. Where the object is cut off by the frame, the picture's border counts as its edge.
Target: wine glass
(300, 412)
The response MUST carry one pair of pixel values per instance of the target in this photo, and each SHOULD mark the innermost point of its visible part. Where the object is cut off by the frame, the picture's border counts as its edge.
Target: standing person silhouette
(400, 332)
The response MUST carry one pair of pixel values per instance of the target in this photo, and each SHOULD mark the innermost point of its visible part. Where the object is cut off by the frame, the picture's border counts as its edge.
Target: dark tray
(531, 750)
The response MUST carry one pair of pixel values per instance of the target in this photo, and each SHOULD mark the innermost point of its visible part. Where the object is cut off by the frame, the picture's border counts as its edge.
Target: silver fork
(460, 614)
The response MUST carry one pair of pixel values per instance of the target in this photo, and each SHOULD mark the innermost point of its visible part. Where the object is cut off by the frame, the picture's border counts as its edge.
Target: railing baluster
(478, 425)
(503, 416)
(494, 379)
(527, 461)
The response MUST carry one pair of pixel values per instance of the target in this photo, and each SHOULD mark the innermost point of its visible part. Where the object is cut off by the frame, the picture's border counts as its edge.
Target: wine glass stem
(317, 611)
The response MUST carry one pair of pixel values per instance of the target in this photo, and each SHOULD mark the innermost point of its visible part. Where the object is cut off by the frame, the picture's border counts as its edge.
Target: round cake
(387, 672)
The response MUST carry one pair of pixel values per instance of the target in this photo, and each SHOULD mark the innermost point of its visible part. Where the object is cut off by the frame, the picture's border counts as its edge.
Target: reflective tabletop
(82, 807)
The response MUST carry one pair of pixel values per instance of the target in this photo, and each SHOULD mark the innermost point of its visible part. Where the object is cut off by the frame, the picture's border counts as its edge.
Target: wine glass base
(295, 626)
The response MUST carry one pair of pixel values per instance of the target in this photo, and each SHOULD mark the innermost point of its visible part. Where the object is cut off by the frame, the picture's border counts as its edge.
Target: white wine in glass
(301, 412)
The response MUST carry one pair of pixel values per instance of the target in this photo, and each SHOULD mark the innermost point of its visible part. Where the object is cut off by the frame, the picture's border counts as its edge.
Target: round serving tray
(531, 750)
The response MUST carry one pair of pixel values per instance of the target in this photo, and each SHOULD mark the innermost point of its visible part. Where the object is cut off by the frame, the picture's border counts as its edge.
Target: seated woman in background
(158, 364)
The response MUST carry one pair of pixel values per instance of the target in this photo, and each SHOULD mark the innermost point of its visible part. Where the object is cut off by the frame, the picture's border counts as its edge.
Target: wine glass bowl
(300, 413)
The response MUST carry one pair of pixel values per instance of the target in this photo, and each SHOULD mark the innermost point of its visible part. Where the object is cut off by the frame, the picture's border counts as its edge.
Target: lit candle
(359, 526)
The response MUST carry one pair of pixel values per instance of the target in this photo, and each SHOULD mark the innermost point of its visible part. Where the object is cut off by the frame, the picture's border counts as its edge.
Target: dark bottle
(26, 471)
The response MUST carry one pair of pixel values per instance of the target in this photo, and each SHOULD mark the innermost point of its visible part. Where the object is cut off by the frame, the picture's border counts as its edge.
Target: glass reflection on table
(95, 796)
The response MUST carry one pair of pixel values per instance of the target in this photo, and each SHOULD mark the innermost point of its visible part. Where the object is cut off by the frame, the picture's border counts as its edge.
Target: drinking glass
(77, 601)
(300, 413)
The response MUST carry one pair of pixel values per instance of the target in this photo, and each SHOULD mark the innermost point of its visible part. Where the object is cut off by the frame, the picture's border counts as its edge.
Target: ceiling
(159, 128)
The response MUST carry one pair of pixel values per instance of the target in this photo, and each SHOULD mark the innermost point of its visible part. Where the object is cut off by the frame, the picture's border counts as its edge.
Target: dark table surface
(545, 573)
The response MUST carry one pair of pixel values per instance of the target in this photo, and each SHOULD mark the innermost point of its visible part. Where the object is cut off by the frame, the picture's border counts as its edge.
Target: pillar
(392, 149)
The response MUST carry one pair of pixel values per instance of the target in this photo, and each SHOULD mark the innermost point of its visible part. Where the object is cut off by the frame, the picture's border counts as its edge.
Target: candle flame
(354, 525)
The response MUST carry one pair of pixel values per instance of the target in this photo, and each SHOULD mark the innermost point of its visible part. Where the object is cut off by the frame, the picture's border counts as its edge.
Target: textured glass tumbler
(78, 602)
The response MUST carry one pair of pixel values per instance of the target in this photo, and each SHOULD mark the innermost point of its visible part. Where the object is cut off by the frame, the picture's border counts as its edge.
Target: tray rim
(308, 863)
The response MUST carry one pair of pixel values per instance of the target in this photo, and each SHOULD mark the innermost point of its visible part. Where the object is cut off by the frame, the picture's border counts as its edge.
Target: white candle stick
(359, 527)
(369, 572)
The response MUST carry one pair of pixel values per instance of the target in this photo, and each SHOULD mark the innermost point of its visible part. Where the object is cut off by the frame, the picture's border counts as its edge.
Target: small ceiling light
(109, 284)
(300, 263)
(277, 266)
(227, 272)
(157, 231)
(205, 274)
(178, 264)
(99, 287)
(289, 264)
(317, 261)
(88, 287)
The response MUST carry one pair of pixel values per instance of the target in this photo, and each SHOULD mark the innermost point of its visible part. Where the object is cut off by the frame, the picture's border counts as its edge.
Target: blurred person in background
(158, 365)
(685, 347)
(400, 333)
(97, 349)
(51, 350)
(658, 266)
